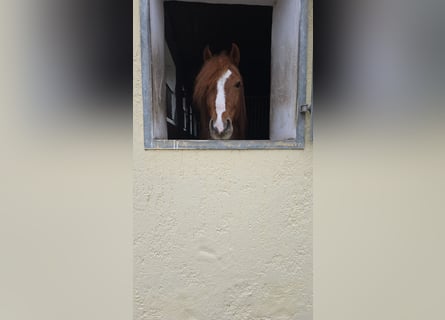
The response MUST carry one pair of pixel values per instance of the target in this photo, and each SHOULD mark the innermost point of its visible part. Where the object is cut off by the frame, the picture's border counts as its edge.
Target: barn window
(271, 35)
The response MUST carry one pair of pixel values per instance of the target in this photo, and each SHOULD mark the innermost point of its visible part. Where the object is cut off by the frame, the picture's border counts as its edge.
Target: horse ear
(207, 54)
(234, 54)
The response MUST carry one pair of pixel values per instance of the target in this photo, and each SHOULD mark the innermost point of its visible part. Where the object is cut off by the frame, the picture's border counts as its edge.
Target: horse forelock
(210, 73)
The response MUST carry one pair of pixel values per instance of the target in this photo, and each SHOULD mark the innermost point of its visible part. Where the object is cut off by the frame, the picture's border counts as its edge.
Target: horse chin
(225, 135)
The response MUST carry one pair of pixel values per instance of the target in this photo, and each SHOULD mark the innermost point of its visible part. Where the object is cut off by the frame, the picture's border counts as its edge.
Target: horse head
(219, 96)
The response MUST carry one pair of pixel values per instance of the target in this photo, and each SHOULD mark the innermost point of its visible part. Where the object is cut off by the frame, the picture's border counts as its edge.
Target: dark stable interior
(189, 27)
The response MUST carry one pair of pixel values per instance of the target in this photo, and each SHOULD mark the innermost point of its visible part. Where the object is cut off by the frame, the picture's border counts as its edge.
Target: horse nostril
(228, 125)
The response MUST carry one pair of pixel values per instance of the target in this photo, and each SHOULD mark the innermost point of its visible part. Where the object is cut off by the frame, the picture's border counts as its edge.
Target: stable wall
(222, 234)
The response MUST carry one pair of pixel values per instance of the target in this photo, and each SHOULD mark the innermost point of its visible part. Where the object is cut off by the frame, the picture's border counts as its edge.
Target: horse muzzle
(225, 134)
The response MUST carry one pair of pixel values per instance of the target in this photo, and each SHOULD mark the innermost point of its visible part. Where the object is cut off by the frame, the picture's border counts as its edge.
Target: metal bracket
(306, 108)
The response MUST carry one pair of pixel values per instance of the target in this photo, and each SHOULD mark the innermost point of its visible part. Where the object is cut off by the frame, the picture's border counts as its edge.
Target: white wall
(222, 234)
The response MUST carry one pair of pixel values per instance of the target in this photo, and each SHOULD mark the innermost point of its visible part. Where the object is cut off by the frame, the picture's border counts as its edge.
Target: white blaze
(221, 100)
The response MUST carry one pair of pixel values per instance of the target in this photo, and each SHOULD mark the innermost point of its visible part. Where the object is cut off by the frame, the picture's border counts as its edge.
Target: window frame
(302, 107)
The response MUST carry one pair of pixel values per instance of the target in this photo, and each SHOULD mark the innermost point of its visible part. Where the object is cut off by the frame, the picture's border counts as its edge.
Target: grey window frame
(302, 107)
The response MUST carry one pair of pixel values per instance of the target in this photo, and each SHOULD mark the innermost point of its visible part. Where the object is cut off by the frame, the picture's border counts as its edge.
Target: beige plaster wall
(220, 234)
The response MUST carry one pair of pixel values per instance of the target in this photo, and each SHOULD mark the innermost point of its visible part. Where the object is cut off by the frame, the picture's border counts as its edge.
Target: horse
(218, 96)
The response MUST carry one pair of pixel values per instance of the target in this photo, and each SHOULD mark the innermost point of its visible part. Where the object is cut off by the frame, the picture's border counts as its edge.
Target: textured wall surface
(220, 234)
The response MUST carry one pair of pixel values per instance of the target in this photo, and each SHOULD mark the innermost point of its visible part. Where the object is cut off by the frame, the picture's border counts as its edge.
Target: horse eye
(238, 84)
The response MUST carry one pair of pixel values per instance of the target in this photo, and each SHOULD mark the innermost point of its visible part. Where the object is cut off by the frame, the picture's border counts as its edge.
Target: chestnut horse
(219, 96)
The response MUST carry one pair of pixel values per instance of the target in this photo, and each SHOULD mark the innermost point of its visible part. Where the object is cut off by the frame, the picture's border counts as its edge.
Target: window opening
(189, 27)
